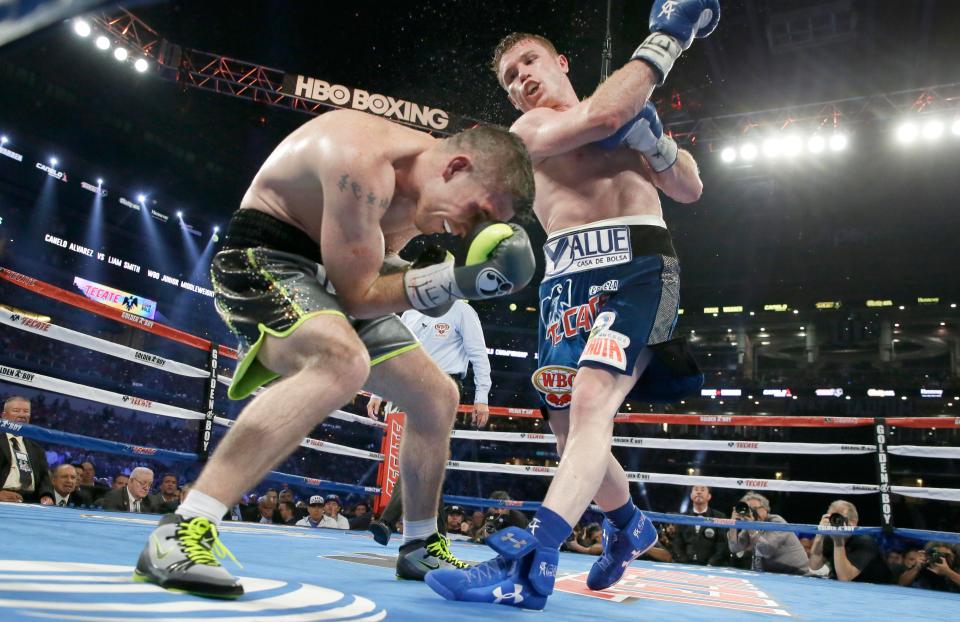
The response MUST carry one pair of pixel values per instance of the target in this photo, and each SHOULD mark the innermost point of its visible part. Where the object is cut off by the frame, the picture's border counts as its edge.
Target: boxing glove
(644, 133)
(673, 26)
(496, 259)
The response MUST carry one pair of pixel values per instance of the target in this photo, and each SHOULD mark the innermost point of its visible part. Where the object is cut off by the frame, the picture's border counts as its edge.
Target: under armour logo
(668, 8)
(533, 526)
(516, 595)
(517, 544)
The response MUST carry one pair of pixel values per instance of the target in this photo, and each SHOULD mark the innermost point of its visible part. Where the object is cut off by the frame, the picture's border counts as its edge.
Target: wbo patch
(555, 383)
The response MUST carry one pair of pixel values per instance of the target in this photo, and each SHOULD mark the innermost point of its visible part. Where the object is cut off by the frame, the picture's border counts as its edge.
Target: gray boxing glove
(495, 260)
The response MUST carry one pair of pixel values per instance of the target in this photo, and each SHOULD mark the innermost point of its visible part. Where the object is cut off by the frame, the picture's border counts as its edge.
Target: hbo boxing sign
(319, 90)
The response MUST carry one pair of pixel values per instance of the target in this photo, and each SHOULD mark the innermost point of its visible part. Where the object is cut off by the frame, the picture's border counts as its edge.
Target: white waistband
(639, 219)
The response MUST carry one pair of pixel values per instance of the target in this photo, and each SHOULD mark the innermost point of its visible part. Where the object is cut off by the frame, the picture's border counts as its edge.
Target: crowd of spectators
(65, 476)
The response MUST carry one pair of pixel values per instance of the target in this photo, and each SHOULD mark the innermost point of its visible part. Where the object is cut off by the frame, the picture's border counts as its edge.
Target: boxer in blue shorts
(608, 303)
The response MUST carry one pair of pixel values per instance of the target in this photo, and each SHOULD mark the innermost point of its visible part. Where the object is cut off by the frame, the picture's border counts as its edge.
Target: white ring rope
(96, 344)
(323, 446)
(93, 394)
(683, 444)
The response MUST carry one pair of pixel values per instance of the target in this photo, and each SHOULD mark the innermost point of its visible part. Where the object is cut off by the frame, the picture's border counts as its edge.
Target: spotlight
(54, 161)
(748, 151)
(99, 181)
(179, 214)
(141, 65)
(907, 132)
(216, 229)
(816, 144)
(120, 54)
(729, 154)
(792, 146)
(838, 142)
(141, 198)
(772, 147)
(3, 140)
(513, 306)
(81, 27)
(933, 130)
(955, 128)
(102, 43)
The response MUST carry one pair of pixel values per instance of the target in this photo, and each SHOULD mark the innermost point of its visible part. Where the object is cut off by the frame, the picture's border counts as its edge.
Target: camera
(742, 508)
(491, 524)
(837, 520)
(934, 557)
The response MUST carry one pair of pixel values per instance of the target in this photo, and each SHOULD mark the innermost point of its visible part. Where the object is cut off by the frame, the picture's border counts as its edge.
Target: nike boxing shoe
(418, 557)
(184, 554)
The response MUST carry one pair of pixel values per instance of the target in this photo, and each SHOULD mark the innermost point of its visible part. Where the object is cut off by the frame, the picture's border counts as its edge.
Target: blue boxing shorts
(610, 289)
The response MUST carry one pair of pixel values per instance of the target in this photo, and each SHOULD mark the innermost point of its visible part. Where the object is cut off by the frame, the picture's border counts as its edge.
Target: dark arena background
(819, 296)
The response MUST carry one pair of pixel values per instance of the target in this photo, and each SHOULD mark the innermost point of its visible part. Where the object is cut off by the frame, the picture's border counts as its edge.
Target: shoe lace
(440, 548)
(201, 544)
(482, 573)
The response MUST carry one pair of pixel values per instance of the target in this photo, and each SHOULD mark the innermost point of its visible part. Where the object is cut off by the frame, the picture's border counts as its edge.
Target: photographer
(590, 543)
(498, 518)
(934, 568)
(853, 558)
(773, 551)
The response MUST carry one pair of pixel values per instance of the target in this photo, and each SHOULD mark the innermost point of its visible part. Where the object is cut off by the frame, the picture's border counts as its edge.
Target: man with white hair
(773, 551)
(134, 497)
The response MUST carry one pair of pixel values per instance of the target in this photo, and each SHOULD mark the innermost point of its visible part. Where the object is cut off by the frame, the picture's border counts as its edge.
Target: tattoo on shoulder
(345, 183)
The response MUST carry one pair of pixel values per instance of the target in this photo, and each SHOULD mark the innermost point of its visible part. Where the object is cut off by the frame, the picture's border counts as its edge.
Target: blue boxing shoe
(620, 547)
(522, 575)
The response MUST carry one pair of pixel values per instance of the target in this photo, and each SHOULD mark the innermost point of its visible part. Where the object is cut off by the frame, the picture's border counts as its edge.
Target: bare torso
(288, 185)
(589, 184)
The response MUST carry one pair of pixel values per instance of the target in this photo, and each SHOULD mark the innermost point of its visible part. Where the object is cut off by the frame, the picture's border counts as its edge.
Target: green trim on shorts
(251, 374)
(270, 279)
(395, 353)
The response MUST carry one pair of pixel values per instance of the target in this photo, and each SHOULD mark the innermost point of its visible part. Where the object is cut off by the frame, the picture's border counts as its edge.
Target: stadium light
(792, 146)
(816, 144)
(3, 140)
(141, 65)
(102, 43)
(728, 155)
(54, 161)
(748, 152)
(81, 27)
(179, 214)
(99, 181)
(839, 142)
(907, 132)
(216, 228)
(141, 198)
(120, 54)
(772, 147)
(933, 129)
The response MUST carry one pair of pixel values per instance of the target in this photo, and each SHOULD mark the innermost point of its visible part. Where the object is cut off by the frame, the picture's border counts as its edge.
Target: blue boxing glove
(673, 26)
(644, 133)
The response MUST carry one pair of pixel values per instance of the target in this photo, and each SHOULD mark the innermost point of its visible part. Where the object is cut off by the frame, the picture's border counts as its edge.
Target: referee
(454, 340)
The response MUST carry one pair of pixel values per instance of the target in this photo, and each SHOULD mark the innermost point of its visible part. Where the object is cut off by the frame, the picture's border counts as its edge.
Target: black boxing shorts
(268, 280)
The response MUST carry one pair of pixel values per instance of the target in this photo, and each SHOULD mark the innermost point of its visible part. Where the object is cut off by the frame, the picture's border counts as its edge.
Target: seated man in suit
(134, 497)
(24, 475)
(89, 482)
(66, 489)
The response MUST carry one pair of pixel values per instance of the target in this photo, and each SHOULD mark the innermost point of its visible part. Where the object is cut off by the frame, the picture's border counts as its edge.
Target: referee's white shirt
(453, 340)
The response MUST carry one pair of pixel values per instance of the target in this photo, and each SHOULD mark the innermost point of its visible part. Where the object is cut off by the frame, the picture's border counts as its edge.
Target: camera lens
(838, 520)
(741, 508)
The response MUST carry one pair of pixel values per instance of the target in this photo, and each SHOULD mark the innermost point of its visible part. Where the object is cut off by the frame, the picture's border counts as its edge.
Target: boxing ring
(67, 564)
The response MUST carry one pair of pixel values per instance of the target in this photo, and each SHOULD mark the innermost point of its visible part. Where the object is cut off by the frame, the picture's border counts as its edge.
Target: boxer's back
(288, 185)
(590, 184)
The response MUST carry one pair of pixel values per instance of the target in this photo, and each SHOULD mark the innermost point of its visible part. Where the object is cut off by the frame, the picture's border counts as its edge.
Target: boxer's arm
(356, 195)
(547, 132)
(681, 182)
